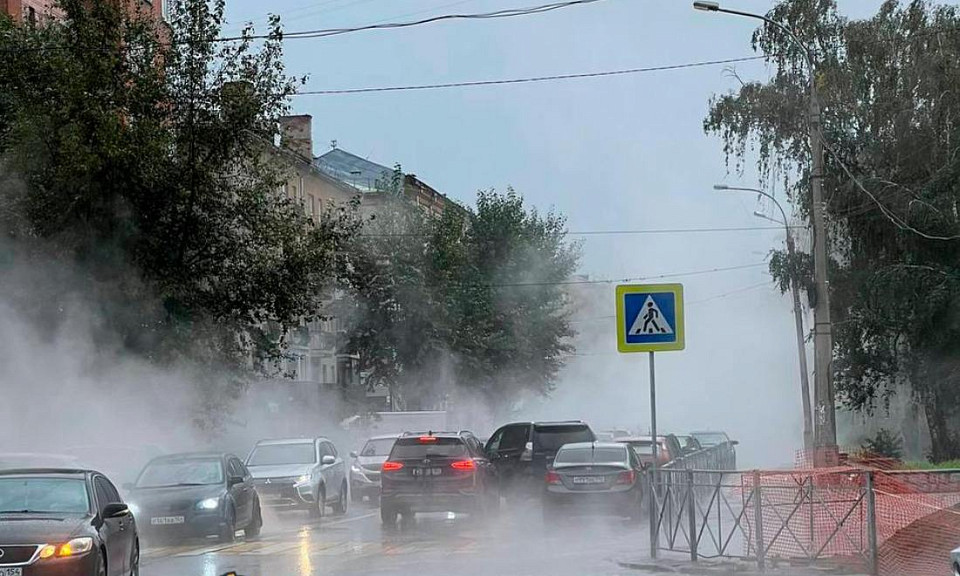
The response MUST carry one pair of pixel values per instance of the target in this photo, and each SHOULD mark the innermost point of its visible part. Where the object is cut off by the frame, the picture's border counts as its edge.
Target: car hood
(173, 496)
(40, 528)
(371, 462)
(280, 471)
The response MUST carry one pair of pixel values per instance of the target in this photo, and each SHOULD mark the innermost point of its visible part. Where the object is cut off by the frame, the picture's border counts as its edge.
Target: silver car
(365, 469)
(593, 478)
(299, 473)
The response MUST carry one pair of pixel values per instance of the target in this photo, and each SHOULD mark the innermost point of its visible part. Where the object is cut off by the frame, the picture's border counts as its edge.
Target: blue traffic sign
(650, 317)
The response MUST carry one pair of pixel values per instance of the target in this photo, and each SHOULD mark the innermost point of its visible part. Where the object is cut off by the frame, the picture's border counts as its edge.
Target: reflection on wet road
(517, 542)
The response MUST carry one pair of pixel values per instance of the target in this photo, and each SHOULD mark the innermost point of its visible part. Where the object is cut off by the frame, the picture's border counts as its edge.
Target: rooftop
(352, 169)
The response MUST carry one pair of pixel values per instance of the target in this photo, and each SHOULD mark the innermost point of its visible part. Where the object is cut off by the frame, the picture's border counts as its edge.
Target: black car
(60, 521)
(196, 494)
(522, 451)
(437, 472)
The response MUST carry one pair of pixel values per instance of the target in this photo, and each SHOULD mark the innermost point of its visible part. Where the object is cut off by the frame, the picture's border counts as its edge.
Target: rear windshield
(279, 454)
(181, 472)
(414, 447)
(551, 438)
(590, 455)
(378, 447)
(711, 438)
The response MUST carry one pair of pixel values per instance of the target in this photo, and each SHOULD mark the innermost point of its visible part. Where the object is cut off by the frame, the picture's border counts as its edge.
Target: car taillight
(464, 465)
(391, 466)
(626, 477)
(427, 439)
(552, 477)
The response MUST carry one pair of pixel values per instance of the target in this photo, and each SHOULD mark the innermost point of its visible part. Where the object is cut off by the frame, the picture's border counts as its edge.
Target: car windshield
(551, 438)
(710, 438)
(412, 448)
(280, 454)
(591, 455)
(50, 495)
(183, 472)
(378, 447)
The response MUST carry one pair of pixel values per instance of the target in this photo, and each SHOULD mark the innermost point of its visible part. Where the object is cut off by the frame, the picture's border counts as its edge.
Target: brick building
(37, 10)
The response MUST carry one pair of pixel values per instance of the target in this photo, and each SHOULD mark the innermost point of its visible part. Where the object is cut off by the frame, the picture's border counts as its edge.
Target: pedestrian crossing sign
(649, 317)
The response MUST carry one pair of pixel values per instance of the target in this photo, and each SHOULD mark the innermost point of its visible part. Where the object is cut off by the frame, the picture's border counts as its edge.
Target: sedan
(593, 478)
(61, 521)
(196, 494)
(365, 470)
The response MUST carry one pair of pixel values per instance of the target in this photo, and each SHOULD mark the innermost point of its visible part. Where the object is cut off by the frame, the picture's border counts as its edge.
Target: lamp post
(825, 428)
(797, 311)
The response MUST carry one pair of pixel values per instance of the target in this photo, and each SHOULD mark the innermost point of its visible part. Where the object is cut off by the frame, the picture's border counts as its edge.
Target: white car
(299, 473)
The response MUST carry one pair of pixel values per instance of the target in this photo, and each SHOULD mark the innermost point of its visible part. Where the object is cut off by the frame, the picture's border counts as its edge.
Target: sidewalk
(726, 566)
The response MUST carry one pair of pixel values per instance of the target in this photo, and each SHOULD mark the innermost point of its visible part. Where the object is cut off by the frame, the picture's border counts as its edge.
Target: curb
(725, 568)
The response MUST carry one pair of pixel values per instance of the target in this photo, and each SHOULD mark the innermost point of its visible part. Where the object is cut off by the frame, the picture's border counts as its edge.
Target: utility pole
(808, 436)
(825, 427)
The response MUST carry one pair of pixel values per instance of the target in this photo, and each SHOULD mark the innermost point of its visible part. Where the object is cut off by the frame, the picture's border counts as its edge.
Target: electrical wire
(528, 80)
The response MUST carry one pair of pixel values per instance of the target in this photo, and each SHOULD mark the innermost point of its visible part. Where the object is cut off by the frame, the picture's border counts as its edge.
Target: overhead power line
(528, 80)
(506, 13)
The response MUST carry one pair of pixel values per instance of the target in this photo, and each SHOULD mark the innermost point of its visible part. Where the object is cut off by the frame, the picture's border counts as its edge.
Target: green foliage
(141, 154)
(471, 299)
(885, 443)
(889, 89)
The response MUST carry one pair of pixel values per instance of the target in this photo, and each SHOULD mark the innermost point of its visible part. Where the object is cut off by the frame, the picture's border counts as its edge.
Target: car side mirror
(234, 480)
(734, 442)
(115, 510)
(354, 455)
(327, 460)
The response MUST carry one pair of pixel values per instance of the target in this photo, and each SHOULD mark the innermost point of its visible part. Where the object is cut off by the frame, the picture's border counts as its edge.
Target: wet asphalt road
(516, 542)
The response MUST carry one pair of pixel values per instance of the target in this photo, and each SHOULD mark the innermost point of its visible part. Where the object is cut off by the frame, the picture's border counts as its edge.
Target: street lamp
(797, 311)
(825, 431)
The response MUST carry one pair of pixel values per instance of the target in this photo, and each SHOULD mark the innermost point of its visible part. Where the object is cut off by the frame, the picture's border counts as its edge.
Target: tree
(890, 96)
(143, 155)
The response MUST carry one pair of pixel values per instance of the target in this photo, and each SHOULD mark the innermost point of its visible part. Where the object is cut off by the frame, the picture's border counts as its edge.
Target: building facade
(32, 11)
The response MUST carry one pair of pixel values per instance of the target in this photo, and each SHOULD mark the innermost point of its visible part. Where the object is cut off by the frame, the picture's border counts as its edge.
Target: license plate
(588, 480)
(163, 521)
(426, 471)
(11, 571)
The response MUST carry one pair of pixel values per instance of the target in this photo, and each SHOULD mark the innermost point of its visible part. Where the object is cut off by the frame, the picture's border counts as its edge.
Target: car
(688, 444)
(668, 448)
(437, 472)
(365, 469)
(708, 438)
(64, 521)
(300, 473)
(196, 494)
(521, 451)
(593, 478)
(612, 435)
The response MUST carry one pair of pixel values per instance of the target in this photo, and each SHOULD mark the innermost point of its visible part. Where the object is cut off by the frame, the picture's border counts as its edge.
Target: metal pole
(871, 525)
(758, 521)
(692, 516)
(802, 351)
(654, 506)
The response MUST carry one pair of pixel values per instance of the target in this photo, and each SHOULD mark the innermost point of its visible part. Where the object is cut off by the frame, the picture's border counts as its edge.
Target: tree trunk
(943, 444)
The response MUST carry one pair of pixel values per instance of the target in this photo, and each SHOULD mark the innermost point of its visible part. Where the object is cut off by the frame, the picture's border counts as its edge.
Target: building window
(313, 205)
(324, 373)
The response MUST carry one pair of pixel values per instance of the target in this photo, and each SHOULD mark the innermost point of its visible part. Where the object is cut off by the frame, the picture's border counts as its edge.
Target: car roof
(385, 437)
(573, 445)
(71, 472)
(276, 441)
(438, 434)
(545, 423)
(640, 439)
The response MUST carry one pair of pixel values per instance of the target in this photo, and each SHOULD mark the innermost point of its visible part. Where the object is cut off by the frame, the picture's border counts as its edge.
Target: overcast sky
(619, 153)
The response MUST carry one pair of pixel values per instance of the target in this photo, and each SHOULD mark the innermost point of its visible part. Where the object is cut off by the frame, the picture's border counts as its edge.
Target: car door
(333, 473)
(339, 467)
(488, 473)
(242, 492)
(509, 454)
(117, 533)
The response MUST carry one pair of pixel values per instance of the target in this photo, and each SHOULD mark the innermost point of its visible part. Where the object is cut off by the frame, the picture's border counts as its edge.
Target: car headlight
(208, 504)
(302, 479)
(74, 547)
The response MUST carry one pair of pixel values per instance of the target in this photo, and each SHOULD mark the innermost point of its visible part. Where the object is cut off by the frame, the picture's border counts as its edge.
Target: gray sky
(619, 153)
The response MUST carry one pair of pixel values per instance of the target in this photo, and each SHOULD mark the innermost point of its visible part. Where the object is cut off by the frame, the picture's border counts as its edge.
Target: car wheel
(388, 515)
(253, 530)
(135, 560)
(319, 507)
(340, 507)
(228, 533)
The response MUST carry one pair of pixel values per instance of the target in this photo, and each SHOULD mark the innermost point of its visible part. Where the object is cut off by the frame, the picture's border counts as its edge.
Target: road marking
(345, 520)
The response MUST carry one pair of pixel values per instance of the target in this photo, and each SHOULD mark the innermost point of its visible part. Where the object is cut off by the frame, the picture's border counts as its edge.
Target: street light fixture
(825, 434)
(797, 311)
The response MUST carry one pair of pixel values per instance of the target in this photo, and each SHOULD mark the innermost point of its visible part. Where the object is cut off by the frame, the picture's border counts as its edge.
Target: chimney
(296, 135)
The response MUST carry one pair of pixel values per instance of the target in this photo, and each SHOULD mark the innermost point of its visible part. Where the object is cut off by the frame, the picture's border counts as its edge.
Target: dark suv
(522, 451)
(436, 472)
